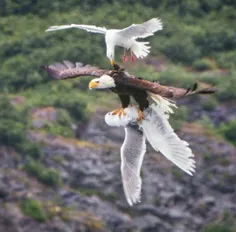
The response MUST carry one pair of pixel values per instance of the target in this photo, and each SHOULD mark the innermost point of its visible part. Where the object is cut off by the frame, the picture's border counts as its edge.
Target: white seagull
(157, 130)
(125, 38)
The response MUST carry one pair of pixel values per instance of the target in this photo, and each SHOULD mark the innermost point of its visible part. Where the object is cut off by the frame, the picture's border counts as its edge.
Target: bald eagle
(123, 84)
(125, 38)
(154, 127)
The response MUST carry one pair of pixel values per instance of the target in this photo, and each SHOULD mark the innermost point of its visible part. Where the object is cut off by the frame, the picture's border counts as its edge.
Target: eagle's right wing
(67, 70)
(89, 28)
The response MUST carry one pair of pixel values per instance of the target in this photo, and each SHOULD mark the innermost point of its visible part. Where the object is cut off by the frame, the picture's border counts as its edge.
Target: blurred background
(60, 162)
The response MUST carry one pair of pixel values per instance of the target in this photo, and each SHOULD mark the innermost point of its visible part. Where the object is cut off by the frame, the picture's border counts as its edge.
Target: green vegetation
(204, 64)
(48, 176)
(34, 209)
(180, 115)
(13, 125)
(209, 103)
(216, 228)
(228, 131)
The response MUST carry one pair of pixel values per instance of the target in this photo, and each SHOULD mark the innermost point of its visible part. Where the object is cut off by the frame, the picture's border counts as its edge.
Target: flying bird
(125, 85)
(125, 38)
(156, 129)
(155, 104)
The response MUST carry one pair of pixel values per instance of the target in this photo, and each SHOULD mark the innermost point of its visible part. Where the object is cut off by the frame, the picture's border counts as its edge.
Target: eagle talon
(140, 116)
(120, 112)
(115, 111)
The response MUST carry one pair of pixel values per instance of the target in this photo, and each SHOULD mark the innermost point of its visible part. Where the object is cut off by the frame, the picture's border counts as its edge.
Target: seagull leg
(125, 57)
(140, 116)
(133, 58)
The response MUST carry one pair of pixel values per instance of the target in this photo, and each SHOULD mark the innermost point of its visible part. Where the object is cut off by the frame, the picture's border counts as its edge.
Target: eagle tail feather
(164, 104)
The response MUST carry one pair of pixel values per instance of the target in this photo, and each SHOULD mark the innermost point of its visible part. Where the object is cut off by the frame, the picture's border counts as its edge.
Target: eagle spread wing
(142, 30)
(132, 153)
(67, 70)
(89, 28)
(165, 91)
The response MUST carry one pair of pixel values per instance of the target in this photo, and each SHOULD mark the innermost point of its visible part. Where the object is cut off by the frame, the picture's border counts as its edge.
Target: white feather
(142, 30)
(161, 136)
(131, 162)
(130, 117)
(89, 28)
(162, 104)
(125, 38)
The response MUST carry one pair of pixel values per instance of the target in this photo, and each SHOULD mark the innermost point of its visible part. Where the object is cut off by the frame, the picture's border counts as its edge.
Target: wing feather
(67, 70)
(89, 28)
(143, 30)
(161, 136)
(132, 153)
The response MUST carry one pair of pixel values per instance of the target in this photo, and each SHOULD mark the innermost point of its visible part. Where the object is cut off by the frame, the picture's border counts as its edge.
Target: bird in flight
(159, 133)
(126, 86)
(155, 104)
(125, 38)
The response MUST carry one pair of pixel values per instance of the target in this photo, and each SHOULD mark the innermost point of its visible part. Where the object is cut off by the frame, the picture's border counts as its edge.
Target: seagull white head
(104, 82)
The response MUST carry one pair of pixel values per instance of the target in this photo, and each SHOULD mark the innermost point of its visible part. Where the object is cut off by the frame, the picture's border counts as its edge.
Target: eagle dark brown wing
(154, 87)
(68, 70)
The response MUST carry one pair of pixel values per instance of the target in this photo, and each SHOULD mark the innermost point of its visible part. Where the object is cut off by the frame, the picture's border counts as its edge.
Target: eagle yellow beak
(93, 84)
(113, 62)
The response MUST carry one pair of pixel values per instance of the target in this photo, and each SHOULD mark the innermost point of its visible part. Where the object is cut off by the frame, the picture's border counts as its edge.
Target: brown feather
(67, 70)
(126, 83)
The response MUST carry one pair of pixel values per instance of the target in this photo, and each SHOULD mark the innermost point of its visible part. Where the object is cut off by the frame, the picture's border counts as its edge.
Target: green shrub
(209, 103)
(180, 115)
(216, 228)
(48, 176)
(228, 130)
(57, 129)
(31, 149)
(204, 64)
(34, 209)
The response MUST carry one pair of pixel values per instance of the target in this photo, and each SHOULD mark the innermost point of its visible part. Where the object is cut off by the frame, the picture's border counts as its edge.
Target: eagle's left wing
(132, 153)
(67, 70)
(165, 91)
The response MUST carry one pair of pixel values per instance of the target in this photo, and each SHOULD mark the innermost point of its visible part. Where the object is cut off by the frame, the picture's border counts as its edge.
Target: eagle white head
(104, 82)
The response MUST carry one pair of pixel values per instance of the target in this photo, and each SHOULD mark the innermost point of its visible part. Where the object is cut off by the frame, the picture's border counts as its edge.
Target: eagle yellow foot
(119, 112)
(140, 116)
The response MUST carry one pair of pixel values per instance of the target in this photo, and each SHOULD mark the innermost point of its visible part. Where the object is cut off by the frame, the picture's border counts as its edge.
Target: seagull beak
(113, 62)
(92, 84)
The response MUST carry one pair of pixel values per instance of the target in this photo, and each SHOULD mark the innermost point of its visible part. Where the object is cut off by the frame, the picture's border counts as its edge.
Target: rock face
(92, 199)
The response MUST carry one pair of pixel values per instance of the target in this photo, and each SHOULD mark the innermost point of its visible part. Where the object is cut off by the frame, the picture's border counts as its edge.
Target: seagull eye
(96, 81)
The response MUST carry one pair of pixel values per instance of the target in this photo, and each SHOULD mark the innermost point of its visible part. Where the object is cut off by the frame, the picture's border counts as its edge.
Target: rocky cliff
(91, 198)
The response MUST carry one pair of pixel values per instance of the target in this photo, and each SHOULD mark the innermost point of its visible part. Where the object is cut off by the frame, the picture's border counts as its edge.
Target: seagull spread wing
(67, 70)
(89, 28)
(142, 30)
(161, 136)
(132, 153)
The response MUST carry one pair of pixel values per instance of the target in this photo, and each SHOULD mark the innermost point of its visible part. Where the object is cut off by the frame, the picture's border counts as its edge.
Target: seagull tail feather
(140, 49)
